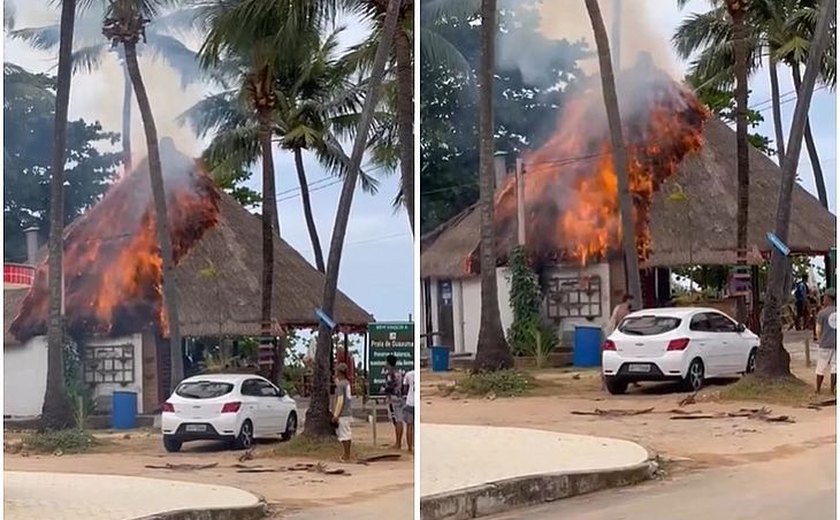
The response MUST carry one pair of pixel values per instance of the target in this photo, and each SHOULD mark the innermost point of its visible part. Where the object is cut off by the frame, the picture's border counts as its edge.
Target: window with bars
(574, 297)
(109, 364)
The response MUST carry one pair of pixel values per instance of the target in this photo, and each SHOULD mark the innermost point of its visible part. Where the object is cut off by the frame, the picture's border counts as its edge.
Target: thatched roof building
(693, 216)
(218, 276)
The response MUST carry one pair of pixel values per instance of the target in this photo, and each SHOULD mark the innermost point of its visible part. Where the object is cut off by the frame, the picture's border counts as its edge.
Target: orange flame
(571, 188)
(112, 264)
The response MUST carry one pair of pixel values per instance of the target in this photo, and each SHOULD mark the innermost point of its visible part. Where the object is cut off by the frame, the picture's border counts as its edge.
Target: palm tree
(628, 233)
(91, 52)
(493, 351)
(317, 422)
(246, 40)
(317, 105)
(124, 24)
(57, 413)
(737, 11)
(773, 361)
(779, 29)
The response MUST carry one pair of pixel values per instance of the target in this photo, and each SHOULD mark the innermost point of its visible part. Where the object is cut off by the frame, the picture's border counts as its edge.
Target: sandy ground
(692, 444)
(286, 492)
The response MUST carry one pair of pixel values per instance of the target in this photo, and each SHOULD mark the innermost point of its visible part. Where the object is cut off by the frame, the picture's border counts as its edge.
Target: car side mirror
(741, 328)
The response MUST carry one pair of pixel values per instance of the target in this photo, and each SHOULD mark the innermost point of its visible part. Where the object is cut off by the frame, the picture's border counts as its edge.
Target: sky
(377, 268)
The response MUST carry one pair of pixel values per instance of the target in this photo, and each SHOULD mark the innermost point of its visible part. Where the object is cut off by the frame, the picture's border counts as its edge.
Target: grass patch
(790, 391)
(326, 449)
(60, 441)
(503, 383)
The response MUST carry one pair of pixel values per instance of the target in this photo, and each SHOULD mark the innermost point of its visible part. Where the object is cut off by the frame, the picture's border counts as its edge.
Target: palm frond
(88, 59)
(434, 48)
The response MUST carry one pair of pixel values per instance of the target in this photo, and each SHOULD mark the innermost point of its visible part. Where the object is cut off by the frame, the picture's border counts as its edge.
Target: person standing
(827, 334)
(343, 411)
(800, 297)
(408, 411)
(394, 395)
(619, 313)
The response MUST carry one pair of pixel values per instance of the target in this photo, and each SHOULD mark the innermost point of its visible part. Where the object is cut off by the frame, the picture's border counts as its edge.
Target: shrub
(543, 342)
(74, 440)
(504, 383)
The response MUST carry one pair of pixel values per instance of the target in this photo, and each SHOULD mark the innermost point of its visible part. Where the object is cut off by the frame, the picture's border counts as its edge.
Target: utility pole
(520, 202)
(616, 35)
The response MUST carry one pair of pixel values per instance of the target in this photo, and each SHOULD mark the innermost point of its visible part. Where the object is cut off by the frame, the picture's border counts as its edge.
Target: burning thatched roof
(692, 218)
(113, 283)
(12, 299)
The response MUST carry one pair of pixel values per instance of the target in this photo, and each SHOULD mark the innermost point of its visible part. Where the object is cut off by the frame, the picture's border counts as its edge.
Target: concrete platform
(471, 471)
(64, 496)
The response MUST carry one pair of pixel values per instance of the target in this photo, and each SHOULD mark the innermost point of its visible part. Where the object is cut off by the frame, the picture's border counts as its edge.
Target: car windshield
(203, 389)
(648, 325)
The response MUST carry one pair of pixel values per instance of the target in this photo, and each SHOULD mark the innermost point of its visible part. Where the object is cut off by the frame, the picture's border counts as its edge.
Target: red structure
(17, 276)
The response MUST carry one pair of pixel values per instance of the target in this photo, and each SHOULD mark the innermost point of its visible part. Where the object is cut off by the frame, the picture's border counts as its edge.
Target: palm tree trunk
(307, 212)
(493, 351)
(317, 422)
(128, 94)
(813, 156)
(269, 216)
(773, 361)
(737, 10)
(625, 201)
(57, 412)
(170, 297)
(775, 97)
(405, 119)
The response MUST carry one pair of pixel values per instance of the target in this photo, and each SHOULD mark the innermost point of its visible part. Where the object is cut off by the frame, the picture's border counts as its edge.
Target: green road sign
(384, 339)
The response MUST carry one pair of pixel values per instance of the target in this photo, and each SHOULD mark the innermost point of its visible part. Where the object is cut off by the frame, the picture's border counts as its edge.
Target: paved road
(801, 486)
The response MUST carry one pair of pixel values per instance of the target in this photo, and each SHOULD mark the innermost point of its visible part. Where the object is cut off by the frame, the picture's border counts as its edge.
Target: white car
(236, 408)
(687, 344)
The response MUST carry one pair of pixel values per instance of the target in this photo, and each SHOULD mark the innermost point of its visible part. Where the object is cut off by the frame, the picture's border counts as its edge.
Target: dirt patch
(293, 483)
(575, 403)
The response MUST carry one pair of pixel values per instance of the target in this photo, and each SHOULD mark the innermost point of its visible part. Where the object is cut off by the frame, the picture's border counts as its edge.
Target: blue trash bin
(440, 358)
(587, 346)
(124, 410)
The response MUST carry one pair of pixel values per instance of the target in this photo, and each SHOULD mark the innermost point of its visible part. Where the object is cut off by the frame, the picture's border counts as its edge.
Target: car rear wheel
(751, 362)
(245, 439)
(172, 444)
(291, 427)
(616, 386)
(693, 380)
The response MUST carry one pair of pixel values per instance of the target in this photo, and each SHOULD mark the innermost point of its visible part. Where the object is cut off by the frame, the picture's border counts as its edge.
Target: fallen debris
(248, 455)
(182, 467)
(380, 458)
(689, 399)
(759, 414)
(613, 413)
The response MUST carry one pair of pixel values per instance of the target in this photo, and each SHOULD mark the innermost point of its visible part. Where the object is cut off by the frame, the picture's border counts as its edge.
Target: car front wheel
(616, 386)
(171, 444)
(245, 439)
(291, 427)
(696, 375)
(751, 362)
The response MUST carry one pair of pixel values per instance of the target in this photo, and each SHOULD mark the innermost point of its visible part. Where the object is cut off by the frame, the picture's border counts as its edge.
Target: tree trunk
(307, 212)
(57, 412)
(269, 210)
(170, 297)
(616, 35)
(493, 350)
(775, 98)
(317, 422)
(128, 94)
(737, 10)
(773, 361)
(813, 156)
(405, 119)
(625, 201)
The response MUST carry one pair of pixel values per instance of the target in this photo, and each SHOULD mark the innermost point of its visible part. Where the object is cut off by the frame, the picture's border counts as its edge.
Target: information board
(384, 339)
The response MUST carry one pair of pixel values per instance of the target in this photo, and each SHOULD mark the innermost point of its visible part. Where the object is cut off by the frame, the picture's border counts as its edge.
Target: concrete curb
(520, 492)
(257, 511)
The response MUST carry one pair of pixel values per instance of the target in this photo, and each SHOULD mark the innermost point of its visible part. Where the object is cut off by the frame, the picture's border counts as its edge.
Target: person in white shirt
(408, 409)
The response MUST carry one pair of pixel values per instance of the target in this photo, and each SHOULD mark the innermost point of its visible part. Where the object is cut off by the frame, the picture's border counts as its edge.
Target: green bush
(543, 342)
(74, 440)
(528, 335)
(504, 383)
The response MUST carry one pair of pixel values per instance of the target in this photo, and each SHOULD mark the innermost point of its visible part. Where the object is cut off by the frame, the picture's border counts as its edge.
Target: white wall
(469, 292)
(25, 378)
(103, 392)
